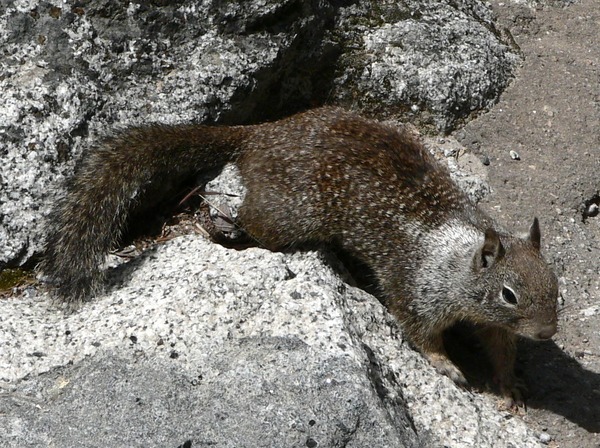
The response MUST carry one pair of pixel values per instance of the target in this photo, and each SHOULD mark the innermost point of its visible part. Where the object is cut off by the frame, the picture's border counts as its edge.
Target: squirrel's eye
(509, 295)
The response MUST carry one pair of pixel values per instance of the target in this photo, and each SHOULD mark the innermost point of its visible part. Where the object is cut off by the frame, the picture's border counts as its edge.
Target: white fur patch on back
(453, 238)
(448, 253)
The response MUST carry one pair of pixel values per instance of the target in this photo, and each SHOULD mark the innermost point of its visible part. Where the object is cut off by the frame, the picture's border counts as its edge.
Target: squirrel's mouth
(541, 332)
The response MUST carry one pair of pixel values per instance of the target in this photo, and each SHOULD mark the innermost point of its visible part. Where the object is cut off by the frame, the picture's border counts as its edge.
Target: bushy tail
(109, 182)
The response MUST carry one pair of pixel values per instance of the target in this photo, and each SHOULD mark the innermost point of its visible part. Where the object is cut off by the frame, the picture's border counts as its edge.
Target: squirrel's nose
(547, 331)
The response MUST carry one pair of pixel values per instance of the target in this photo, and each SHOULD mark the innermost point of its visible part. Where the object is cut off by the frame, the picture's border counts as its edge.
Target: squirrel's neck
(445, 271)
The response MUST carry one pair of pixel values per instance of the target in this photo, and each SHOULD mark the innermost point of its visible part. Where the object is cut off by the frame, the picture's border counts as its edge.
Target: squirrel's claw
(514, 392)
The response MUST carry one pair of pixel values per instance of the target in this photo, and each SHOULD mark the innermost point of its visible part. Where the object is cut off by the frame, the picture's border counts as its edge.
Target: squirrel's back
(331, 172)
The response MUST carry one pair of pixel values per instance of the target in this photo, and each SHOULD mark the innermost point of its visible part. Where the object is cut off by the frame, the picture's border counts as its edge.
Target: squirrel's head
(521, 291)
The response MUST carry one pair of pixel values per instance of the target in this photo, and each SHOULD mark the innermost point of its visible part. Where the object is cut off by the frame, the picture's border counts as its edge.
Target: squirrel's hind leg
(268, 230)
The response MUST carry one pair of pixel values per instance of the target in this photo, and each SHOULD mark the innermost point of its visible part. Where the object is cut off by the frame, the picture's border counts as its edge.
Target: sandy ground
(550, 115)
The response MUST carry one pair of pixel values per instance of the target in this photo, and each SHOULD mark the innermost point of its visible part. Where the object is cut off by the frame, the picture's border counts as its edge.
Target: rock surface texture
(194, 344)
(230, 348)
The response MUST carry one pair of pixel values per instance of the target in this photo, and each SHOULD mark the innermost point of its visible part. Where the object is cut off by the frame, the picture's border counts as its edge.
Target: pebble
(514, 155)
(545, 438)
(450, 152)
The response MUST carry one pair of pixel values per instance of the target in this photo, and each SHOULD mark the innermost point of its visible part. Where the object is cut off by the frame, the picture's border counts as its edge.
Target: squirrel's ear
(535, 236)
(490, 251)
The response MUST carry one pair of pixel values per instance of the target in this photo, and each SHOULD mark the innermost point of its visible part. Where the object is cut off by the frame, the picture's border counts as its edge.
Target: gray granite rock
(431, 62)
(201, 344)
(69, 74)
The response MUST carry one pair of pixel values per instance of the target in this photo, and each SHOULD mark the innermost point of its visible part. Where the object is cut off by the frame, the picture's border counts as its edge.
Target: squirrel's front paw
(446, 367)
(514, 391)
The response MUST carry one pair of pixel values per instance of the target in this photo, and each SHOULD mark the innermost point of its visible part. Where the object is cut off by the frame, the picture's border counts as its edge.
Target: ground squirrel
(327, 177)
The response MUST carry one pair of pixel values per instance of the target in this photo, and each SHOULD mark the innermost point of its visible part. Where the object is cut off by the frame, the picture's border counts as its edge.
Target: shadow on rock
(560, 384)
(555, 381)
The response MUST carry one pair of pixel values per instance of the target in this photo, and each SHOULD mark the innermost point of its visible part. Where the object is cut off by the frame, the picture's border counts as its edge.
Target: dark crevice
(393, 405)
(591, 207)
(186, 444)
(375, 374)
